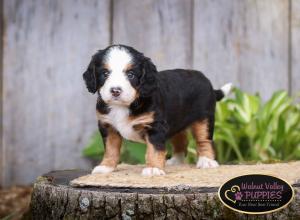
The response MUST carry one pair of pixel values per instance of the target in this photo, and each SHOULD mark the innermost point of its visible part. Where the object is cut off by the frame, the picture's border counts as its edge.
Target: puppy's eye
(105, 73)
(130, 74)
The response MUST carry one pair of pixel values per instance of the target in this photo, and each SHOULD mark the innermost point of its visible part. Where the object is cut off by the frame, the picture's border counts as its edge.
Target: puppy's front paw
(153, 171)
(176, 159)
(205, 162)
(102, 169)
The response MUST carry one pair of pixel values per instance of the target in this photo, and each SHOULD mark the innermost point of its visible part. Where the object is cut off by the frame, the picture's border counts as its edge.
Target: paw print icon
(238, 196)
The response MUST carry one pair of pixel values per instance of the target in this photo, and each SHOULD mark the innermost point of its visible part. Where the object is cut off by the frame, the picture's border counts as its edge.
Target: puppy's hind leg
(179, 142)
(203, 132)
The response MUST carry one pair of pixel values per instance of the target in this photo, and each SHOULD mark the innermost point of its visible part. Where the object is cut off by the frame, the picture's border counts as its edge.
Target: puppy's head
(120, 74)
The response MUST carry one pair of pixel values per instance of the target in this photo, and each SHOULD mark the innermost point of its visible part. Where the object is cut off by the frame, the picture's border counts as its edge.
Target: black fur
(103, 131)
(92, 76)
(101, 106)
(178, 97)
(219, 94)
(148, 82)
(182, 97)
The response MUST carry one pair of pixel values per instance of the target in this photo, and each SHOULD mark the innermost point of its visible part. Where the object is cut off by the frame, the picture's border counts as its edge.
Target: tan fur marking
(102, 117)
(138, 123)
(180, 142)
(142, 121)
(106, 66)
(200, 133)
(112, 149)
(128, 67)
(154, 158)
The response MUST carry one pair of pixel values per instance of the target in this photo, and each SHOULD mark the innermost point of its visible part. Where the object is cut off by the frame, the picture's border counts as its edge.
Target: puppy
(138, 103)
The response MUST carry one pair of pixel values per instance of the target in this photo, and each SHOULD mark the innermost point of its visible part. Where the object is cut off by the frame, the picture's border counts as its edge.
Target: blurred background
(48, 116)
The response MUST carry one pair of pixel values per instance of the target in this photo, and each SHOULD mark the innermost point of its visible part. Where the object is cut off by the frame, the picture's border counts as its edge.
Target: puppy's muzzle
(116, 91)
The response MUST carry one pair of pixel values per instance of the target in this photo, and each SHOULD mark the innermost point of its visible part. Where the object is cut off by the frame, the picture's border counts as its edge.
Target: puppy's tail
(224, 91)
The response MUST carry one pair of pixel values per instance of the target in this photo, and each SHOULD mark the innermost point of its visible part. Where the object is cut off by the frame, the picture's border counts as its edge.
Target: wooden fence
(48, 115)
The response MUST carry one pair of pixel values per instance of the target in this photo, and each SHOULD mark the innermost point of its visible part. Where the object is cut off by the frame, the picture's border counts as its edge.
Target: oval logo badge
(256, 194)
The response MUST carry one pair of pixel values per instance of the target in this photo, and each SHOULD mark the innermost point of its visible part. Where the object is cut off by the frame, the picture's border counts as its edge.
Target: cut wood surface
(151, 198)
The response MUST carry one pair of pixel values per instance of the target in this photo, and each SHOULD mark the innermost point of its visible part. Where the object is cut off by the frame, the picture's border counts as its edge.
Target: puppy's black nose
(116, 91)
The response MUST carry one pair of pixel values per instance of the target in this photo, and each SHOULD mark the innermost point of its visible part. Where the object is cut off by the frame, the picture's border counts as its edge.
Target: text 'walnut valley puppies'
(138, 103)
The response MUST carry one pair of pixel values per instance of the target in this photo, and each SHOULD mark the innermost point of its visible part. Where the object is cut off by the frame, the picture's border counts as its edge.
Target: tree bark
(53, 198)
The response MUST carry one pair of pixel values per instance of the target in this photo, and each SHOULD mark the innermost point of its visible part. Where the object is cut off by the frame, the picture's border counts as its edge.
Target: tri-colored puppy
(138, 103)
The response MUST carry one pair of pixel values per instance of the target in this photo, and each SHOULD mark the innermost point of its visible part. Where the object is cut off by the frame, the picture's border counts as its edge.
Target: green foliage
(246, 129)
(132, 152)
(95, 148)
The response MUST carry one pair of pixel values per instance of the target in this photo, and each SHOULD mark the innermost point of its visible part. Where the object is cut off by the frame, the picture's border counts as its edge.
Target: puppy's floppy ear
(90, 79)
(90, 75)
(148, 82)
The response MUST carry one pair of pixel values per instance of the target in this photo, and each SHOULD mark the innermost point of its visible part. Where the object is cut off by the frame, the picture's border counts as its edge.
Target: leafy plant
(246, 129)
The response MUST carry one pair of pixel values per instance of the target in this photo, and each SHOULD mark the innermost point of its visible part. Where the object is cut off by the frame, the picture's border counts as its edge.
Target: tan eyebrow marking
(128, 67)
(106, 66)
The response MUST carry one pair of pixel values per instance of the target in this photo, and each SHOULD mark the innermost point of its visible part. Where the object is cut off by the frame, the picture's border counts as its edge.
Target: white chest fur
(118, 117)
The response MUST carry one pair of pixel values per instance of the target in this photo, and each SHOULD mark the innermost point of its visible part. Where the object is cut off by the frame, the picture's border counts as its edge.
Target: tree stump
(184, 193)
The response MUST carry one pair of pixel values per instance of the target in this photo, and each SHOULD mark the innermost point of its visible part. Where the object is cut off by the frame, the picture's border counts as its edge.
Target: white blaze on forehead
(118, 58)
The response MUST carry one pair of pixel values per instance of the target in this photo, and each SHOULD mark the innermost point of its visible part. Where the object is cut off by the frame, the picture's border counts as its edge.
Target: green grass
(246, 129)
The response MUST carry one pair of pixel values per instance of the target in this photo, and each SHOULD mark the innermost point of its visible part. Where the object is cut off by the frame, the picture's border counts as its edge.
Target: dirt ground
(14, 202)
